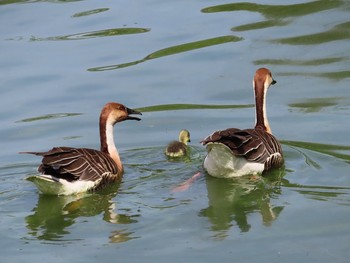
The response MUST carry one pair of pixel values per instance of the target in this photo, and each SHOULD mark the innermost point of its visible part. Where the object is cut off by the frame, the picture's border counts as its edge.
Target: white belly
(220, 162)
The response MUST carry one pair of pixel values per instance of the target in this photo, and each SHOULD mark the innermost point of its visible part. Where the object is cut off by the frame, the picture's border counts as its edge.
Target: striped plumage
(234, 152)
(67, 170)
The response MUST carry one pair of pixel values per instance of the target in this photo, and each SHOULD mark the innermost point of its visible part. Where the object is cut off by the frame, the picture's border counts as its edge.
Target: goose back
(74, 164)
(255, 145)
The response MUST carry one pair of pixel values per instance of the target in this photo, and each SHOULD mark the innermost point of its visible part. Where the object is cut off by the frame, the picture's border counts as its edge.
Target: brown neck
(107, 142)
(103, 136)
(260, 107)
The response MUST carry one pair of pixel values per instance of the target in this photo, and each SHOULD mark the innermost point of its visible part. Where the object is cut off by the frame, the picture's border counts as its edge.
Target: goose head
(114, 112)
(263, 79)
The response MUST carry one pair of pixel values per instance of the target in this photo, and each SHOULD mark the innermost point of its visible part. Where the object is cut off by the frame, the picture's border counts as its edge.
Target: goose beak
(130, 112)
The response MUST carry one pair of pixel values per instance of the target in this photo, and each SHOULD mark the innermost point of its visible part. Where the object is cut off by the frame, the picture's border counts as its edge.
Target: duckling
(178, 148)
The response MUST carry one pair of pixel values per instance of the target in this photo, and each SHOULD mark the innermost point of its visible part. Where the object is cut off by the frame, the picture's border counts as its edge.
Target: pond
(184, 64)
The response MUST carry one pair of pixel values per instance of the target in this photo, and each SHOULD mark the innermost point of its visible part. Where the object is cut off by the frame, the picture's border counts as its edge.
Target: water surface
(184, 64)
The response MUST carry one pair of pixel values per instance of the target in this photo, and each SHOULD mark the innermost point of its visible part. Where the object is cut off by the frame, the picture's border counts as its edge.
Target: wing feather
(76, 163)
(253, 144)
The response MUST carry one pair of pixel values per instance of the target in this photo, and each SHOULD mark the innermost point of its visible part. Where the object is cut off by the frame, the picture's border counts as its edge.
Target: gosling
(178, 148)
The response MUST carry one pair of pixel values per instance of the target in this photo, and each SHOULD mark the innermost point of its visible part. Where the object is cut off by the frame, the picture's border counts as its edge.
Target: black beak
(131, 111)
(273, 82)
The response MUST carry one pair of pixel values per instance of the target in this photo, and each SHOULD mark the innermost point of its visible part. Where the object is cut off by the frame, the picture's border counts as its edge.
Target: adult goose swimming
(234, 152)
(67, 170)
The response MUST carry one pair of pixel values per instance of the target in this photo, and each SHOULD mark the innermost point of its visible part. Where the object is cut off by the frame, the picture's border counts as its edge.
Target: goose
(68, 170)
(234, 152)
(178, 148)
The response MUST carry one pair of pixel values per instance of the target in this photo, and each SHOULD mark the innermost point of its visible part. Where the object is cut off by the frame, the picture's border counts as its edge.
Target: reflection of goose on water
(67, 170)
(233, 203)
(53, 216)
(234, 152)
(178, 148)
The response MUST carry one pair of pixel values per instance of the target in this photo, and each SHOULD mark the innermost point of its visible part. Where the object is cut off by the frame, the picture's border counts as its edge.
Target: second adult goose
(67, 170)
(234, 152)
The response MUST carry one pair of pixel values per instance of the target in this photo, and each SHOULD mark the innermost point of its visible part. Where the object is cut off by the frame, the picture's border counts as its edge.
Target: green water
(184, 64)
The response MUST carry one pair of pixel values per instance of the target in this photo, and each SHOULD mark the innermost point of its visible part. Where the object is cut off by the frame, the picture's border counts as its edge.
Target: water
(185, 64)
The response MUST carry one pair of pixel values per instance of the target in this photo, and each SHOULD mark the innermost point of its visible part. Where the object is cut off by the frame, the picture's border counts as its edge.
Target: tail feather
(50, 185)
(47, 184)
(35, 153)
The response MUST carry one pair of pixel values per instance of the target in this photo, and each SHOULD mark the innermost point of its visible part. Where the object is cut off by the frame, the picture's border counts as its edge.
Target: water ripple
(329, 149)
(300, 62)
(167, 107)
(336, 194)
(90, 12)
(315, 104)
(338, 32)
(94, 34)
(333, 75)
(173, 50)
(49, 117)
(260, 25)
(277, 11)
(276, 15)
(7, 2)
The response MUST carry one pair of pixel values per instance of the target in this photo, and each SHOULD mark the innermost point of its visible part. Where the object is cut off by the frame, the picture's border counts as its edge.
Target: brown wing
(254, 144)
(76, 163)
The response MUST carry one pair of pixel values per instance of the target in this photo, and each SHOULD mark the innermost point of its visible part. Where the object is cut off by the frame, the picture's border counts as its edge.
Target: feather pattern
(255, 145)
(234, 152)
(76, 163)
(67, 170)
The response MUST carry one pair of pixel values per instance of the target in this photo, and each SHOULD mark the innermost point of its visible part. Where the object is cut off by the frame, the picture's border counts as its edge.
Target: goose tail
(50, 185)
